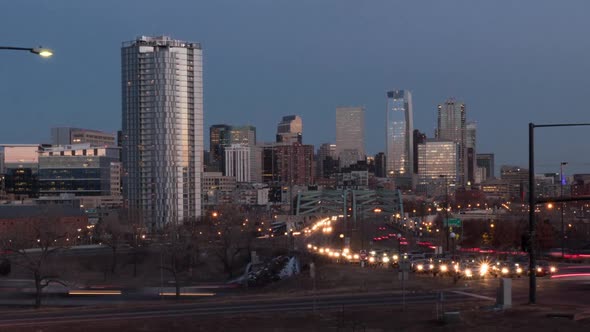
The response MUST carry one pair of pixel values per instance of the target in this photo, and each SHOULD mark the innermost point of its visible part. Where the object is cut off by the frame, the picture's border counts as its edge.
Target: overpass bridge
(350, 203)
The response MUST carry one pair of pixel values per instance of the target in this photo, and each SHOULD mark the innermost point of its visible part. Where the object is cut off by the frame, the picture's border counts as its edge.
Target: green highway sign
(453, 223)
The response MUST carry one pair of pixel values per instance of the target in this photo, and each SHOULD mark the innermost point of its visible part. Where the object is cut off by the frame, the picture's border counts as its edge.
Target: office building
(326, 161)
(19, 164)
(290, 130)
(438, 167)
(69, 135)
(452, 126)
(295, 164)
(218, 139)
(237, 162)
(470, 144)
(400, 135)
(80, 170)
(162, 83)
(381, 165)
(350, 135)
(218, 189)
(486, 161)
(518, 182)
(419, 138)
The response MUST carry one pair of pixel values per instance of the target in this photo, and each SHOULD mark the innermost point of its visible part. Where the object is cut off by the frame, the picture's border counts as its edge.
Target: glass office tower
(399, 140)
(162, 87)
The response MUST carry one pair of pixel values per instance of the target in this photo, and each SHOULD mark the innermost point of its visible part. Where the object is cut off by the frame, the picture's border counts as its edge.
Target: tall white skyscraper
(350, 135)
(399, 140)
(238, 162)
(162, 85)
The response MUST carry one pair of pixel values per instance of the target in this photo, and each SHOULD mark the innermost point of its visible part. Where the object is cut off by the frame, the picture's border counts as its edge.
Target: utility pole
(561, 180)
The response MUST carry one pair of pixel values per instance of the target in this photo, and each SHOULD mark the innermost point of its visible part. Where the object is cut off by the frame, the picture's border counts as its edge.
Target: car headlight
(395, 257)
(356, 256)
(483, 269)
(386, 259)
(372, 259)
(468, 273)
(552, 269)
(420, 267)
(443, 268)
(431, 267)
(504, 270)
(518, 270)
(539, 269)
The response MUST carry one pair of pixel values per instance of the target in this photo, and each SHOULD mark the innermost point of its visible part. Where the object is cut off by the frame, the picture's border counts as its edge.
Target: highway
(225, 307)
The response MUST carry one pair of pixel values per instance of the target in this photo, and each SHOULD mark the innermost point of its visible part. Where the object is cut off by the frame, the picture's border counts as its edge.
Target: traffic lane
(285, 304)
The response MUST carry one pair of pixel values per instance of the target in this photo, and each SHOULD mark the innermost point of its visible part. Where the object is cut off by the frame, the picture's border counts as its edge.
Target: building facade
(470, 144)
(295, 164)
(438, 168)
(399, 140)
(162, 84)
(486, 161)
(452, 126)
(238, 162)
(350, 135)
(290, 130)
(68, 135)
(81, 170)
(326, 160)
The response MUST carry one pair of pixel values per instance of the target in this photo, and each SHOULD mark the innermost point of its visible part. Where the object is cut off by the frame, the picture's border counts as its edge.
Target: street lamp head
(44, 52)
(563, 163)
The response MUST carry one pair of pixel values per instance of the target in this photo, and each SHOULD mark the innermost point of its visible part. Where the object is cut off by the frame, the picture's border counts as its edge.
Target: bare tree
(33, 251)
(176, 254)
(112, 232)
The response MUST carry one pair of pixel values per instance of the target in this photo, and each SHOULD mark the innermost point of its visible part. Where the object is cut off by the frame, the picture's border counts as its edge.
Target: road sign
(453, 223)
(363, 254)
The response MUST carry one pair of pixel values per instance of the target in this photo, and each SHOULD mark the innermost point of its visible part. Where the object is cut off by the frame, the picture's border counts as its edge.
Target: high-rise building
(237, 162)
(518, 182)
(399, 140)
(325, 160)
(295, 164)
(218, 138)
(452, 126)
(222, 136)
(437, 166)
(290, 130)
(470, 144)
(162, 83)
(69, 135)
(419, 138)
(381, 165)
(350, 135)
(486, 160)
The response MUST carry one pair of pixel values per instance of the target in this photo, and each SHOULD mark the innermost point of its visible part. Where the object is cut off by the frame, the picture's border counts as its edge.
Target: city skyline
(501, 74)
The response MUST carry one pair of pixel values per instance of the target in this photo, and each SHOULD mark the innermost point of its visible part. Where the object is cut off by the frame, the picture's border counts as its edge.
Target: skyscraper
(486, 161)
(325, 160)
(399, 140)
(437, 166)
(218, 138)
(452, 127)
(290, 130)
(350, 135)
(162, 85)
(470, 144)
(419, 138)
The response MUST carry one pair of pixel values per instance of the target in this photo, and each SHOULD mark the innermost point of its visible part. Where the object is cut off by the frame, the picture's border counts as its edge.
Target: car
(544, 269)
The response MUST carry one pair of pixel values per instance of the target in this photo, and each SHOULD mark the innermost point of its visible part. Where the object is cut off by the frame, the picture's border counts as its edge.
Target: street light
(453, 236)
(561, 183)
(43, 52)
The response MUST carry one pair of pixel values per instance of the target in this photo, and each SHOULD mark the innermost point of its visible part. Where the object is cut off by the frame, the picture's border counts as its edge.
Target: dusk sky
(512, 62)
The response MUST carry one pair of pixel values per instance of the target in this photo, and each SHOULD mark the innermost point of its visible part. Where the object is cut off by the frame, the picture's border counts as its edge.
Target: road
(208, 307)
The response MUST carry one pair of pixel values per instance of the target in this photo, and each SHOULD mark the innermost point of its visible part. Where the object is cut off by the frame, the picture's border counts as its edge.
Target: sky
(511, 62)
